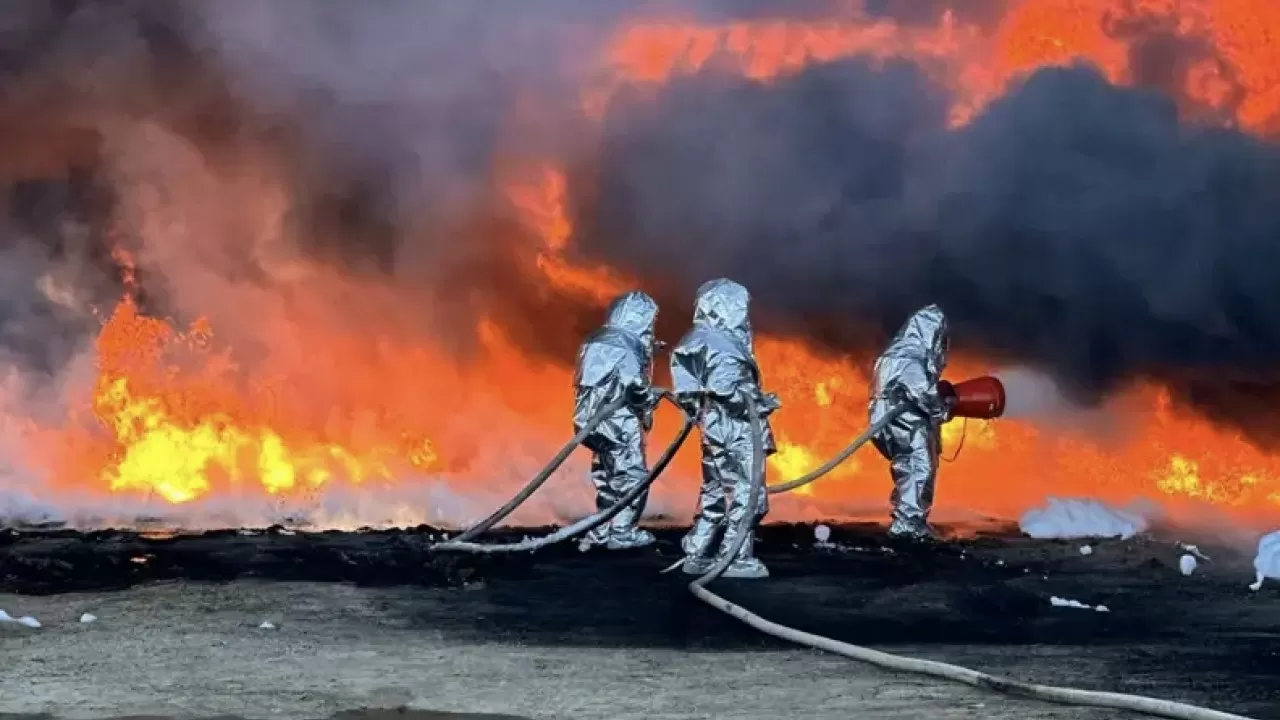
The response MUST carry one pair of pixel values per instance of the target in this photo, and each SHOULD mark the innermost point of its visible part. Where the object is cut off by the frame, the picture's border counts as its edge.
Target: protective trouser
(913, 446)
(617, 466)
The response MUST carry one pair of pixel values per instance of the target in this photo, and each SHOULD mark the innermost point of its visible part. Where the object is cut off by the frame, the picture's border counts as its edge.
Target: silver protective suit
(615, 362)
(714, 373)
(909, 371)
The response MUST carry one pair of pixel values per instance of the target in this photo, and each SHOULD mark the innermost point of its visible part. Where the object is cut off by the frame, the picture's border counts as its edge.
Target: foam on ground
(1080, 518)
(1069, 603)
(1266, 563)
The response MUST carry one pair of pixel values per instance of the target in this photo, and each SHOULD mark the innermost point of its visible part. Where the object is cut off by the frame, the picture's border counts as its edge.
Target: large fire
(175, 418)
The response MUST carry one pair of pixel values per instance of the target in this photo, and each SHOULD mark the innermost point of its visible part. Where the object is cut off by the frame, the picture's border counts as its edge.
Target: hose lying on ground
(543, 475)
(590, 522)
(841, 456)
(931, 668)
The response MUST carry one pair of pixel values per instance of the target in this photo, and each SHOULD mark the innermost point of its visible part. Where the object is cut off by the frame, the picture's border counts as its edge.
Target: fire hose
(463, 541)
(931, 668)
(543, 475)
(586, 524)
(841, 456)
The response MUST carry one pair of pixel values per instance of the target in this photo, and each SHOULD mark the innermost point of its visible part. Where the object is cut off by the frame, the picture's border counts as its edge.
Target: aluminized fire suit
(713, 373)
(909, 371)
(614, 362)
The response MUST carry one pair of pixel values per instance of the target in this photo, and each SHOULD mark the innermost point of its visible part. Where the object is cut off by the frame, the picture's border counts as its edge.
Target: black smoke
(1075, 226)
(1104, 234)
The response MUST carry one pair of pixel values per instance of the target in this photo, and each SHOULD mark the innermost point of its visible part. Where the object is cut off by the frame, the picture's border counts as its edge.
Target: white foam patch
(1076, 604)
(1081, 518)
(1187, 565)
(1266, 563)
(26, 620)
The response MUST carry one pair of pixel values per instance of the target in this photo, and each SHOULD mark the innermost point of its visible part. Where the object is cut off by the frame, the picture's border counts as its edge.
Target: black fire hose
(590, 522)
(541, 478)
(545, 474)
(841, 456)
(931, 668)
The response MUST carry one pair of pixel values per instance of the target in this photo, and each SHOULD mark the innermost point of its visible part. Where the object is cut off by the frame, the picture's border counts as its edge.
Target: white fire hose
(887, 661)
(931, 668)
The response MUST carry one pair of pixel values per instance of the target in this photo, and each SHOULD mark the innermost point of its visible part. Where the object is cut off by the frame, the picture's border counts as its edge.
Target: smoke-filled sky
(1074, 225)
(1105, 234)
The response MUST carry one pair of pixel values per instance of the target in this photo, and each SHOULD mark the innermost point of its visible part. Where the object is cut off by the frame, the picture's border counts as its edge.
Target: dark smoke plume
(1075, 226)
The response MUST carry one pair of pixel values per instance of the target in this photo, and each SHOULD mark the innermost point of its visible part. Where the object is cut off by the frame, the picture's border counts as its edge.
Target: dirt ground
(581, 636)
(186, 650)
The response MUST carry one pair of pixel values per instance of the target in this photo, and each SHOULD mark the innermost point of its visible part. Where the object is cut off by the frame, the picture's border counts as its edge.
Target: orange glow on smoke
(353, 401)
(541, 200)
(979, 63)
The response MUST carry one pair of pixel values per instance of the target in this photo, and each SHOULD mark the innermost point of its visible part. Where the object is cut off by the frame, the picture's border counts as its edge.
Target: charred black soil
(982, 601)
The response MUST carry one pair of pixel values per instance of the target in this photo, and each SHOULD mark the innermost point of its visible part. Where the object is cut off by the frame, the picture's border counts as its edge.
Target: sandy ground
(195, 650)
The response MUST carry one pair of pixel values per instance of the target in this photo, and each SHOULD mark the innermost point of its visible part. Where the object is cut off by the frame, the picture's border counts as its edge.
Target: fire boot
(630, 538)
(623, 531)
(917, 532)
(613, 537)
(750, 569)
(696, 546)
(744, 566)
(596, 538)
(911, 504)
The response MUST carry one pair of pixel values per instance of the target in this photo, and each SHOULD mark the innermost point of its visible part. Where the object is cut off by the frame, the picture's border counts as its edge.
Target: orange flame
(176, 416)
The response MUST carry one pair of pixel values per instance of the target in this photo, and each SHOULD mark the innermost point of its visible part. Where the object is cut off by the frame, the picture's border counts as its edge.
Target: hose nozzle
(980, 398)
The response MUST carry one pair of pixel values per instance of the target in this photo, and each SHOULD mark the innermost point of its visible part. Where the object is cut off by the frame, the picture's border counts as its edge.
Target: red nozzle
(981, 398)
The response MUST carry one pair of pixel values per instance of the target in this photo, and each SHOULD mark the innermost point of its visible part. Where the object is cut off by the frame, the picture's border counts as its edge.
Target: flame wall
(335, 259)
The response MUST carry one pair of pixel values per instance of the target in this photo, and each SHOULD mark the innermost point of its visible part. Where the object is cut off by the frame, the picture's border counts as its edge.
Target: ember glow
(282, 396)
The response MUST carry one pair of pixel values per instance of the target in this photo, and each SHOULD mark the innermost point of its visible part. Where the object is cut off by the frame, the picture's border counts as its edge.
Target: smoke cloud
(1074, 226)
(1079, 228)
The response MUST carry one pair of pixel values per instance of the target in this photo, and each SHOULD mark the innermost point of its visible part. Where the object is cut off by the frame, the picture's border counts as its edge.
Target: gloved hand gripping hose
(545, 474)
(841, 456)
(931, 668)
(590, 522)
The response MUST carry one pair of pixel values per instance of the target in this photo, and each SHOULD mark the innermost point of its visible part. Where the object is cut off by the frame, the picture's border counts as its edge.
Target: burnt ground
(567, 616)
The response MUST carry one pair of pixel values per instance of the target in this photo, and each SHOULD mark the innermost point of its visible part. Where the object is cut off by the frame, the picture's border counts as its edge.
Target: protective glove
(947, 394)
(768, 403)
(639, 397)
